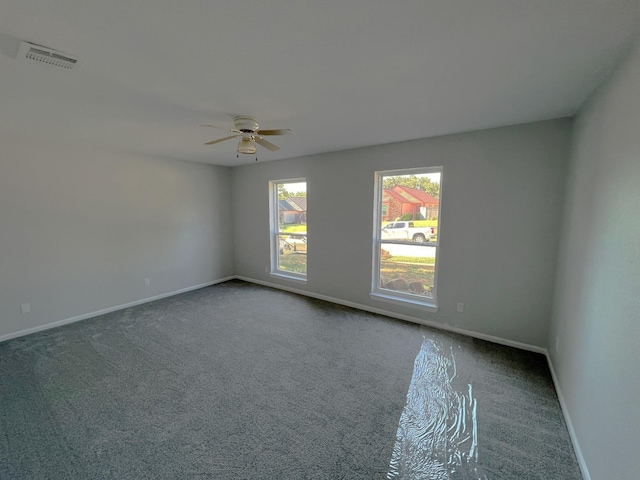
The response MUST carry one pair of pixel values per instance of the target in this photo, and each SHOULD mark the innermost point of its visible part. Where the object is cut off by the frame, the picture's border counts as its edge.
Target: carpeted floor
(239, 381)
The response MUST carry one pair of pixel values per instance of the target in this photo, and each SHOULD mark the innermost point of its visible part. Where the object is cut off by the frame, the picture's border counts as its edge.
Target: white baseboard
(66, 321)
(567, 420)
(408, 318)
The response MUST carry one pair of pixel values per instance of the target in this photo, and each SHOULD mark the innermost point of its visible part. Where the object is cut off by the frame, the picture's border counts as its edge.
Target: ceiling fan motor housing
(246, 124)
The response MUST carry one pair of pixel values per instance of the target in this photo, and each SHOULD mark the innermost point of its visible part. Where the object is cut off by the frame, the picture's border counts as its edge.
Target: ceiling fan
(247, 131)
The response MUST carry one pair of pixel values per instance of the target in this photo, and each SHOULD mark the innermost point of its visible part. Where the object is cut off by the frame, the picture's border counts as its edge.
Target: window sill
(286, 276)
(425, 305)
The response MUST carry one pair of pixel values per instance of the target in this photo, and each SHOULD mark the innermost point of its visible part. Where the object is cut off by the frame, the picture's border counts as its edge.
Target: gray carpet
(238, 381)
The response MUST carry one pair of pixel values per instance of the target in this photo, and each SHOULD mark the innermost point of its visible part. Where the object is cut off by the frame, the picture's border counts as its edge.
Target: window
(406, 235)
(289, 228)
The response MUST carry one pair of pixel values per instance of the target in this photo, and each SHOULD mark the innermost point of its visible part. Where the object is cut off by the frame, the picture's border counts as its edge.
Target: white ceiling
(340, 73)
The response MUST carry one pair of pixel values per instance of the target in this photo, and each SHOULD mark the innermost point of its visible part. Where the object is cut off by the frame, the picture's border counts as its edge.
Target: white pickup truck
(407, 231)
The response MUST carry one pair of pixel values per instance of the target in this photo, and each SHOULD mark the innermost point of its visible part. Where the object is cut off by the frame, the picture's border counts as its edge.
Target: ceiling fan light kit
(247, 130)
(246, 146)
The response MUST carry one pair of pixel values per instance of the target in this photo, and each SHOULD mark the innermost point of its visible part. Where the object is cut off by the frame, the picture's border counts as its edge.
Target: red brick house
(401, 200)
(290, 210)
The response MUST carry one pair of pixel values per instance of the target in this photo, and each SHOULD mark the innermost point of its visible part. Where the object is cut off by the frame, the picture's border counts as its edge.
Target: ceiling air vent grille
(48, 56)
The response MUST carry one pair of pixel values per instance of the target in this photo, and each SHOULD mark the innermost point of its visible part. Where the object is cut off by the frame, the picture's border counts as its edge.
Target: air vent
(48, 56)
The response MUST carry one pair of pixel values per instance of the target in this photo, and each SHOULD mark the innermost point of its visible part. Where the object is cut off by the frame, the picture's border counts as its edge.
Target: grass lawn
(411, 260)
(295, 228)
(411, 269)
(293, 262)
(423, 273)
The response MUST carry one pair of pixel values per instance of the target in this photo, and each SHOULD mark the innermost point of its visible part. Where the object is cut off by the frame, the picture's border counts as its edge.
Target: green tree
(282, 192)
(412, 181)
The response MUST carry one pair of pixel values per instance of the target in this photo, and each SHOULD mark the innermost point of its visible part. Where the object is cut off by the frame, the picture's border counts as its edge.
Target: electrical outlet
(25, 308)
(557, 344)
(460, 307)
(147, 282)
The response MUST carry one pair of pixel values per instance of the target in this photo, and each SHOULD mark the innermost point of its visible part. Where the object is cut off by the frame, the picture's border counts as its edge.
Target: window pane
(292, 254)
(291, 227)
(406, 234)
(411, 198)
(407, 268)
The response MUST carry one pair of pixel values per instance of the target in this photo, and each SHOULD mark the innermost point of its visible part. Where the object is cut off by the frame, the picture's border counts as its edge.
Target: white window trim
(274, 225)
(377, 293)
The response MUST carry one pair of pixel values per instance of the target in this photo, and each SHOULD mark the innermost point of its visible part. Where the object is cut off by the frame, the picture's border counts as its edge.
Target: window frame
(387, 295)
(274, 232)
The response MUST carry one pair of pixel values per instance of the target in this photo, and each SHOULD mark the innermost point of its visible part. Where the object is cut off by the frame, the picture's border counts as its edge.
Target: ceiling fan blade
(223, 128)
(265, 144)
(221, 140)
(280, 131)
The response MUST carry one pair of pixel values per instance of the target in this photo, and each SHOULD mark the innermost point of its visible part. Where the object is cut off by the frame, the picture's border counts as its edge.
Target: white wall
(596, 317)
(80, 229)
(502, 195)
